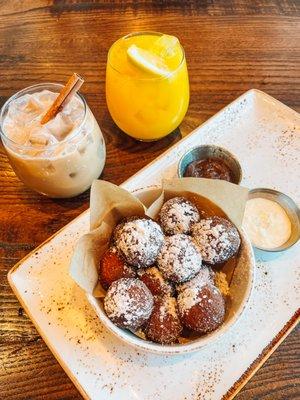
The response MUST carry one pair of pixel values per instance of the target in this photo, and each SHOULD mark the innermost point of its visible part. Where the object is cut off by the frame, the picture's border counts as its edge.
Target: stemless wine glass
(65, 168)
(146, 105)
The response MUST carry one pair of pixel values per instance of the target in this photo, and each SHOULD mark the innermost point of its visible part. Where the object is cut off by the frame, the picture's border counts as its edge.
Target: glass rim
(23, 92)
(154, 78)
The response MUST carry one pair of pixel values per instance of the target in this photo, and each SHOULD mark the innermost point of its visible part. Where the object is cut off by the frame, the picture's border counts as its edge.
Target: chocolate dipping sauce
(211, 168)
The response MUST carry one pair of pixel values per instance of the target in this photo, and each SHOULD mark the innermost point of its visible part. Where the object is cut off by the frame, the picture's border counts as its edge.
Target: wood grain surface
(231, 46)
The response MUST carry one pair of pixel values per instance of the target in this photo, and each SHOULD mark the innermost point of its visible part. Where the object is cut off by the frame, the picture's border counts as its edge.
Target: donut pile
(159, 274)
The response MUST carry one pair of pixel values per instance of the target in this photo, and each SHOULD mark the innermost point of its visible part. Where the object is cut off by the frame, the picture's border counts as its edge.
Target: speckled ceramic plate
(264, 135)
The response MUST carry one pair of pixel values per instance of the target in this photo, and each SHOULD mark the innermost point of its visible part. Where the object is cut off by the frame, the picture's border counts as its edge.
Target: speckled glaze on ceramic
(264, 135)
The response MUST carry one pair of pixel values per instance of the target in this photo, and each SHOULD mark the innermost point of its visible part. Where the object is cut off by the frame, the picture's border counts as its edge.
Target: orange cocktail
(147, 87)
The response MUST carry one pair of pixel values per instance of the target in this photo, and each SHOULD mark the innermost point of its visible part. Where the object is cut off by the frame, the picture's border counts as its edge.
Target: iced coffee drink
(60, 158)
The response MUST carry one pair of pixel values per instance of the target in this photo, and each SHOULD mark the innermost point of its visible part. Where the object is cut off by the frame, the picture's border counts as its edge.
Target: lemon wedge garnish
(165, 46)
(147, 60)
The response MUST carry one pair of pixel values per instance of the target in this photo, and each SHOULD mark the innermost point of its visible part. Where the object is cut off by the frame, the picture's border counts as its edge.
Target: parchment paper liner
(110, 203)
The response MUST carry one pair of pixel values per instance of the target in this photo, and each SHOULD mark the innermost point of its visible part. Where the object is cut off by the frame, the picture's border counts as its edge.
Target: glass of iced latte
(60, 158)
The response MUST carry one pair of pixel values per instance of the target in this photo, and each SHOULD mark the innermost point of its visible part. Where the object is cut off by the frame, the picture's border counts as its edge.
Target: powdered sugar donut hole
(201, 309)
(128, 303)
(164, 325)
(217, 239)
(139, 241)
(179, 259)
(177, 215)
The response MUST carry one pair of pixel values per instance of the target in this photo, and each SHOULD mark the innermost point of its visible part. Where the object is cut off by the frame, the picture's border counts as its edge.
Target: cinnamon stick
(66, 94)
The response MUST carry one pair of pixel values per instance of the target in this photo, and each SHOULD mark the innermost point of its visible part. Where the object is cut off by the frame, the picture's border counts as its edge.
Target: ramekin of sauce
(211, 162)
(272, 220)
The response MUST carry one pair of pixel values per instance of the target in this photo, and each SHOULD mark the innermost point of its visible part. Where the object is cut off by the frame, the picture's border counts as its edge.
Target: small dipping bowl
(211, 151)
(291, 209)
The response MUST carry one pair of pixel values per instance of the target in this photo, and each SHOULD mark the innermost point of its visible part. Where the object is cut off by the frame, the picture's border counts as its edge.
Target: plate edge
(278, 102)
(263, 357)
(63, 365)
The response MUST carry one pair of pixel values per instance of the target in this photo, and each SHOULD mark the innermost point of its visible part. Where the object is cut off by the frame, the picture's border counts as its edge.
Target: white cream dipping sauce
(266, 222)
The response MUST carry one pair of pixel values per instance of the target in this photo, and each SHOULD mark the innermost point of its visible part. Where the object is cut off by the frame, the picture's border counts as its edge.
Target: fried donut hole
(139, 240)
(155, 282)
(164, 325)
(128, 303)
(113, 267)
(177, 216)
(217, 239)
(201, 309)
(179, 259)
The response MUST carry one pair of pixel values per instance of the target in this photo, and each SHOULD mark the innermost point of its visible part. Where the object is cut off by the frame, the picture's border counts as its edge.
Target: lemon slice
(165, 46)
(147, 60)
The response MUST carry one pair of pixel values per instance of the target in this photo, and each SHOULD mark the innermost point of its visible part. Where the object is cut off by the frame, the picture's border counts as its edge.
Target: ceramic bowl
(240, 288)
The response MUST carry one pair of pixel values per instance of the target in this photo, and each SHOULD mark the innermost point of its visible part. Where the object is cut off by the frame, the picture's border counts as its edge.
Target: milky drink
(60, 158)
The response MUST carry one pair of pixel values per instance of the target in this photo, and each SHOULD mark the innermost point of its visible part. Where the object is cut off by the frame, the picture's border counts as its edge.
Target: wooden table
(231, 46)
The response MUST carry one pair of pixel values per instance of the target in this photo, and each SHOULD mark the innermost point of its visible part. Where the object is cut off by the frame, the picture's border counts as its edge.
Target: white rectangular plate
(264, 135)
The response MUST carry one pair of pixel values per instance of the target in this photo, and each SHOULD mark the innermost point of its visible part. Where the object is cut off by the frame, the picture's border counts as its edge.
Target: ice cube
(16, 113)
(20, 103)
(47, 97)
(75, 110)
(60, 126)
(41, 137)
(165, 46)
(34, 106)
(21, 136)
(26, 109)
(17, 133)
